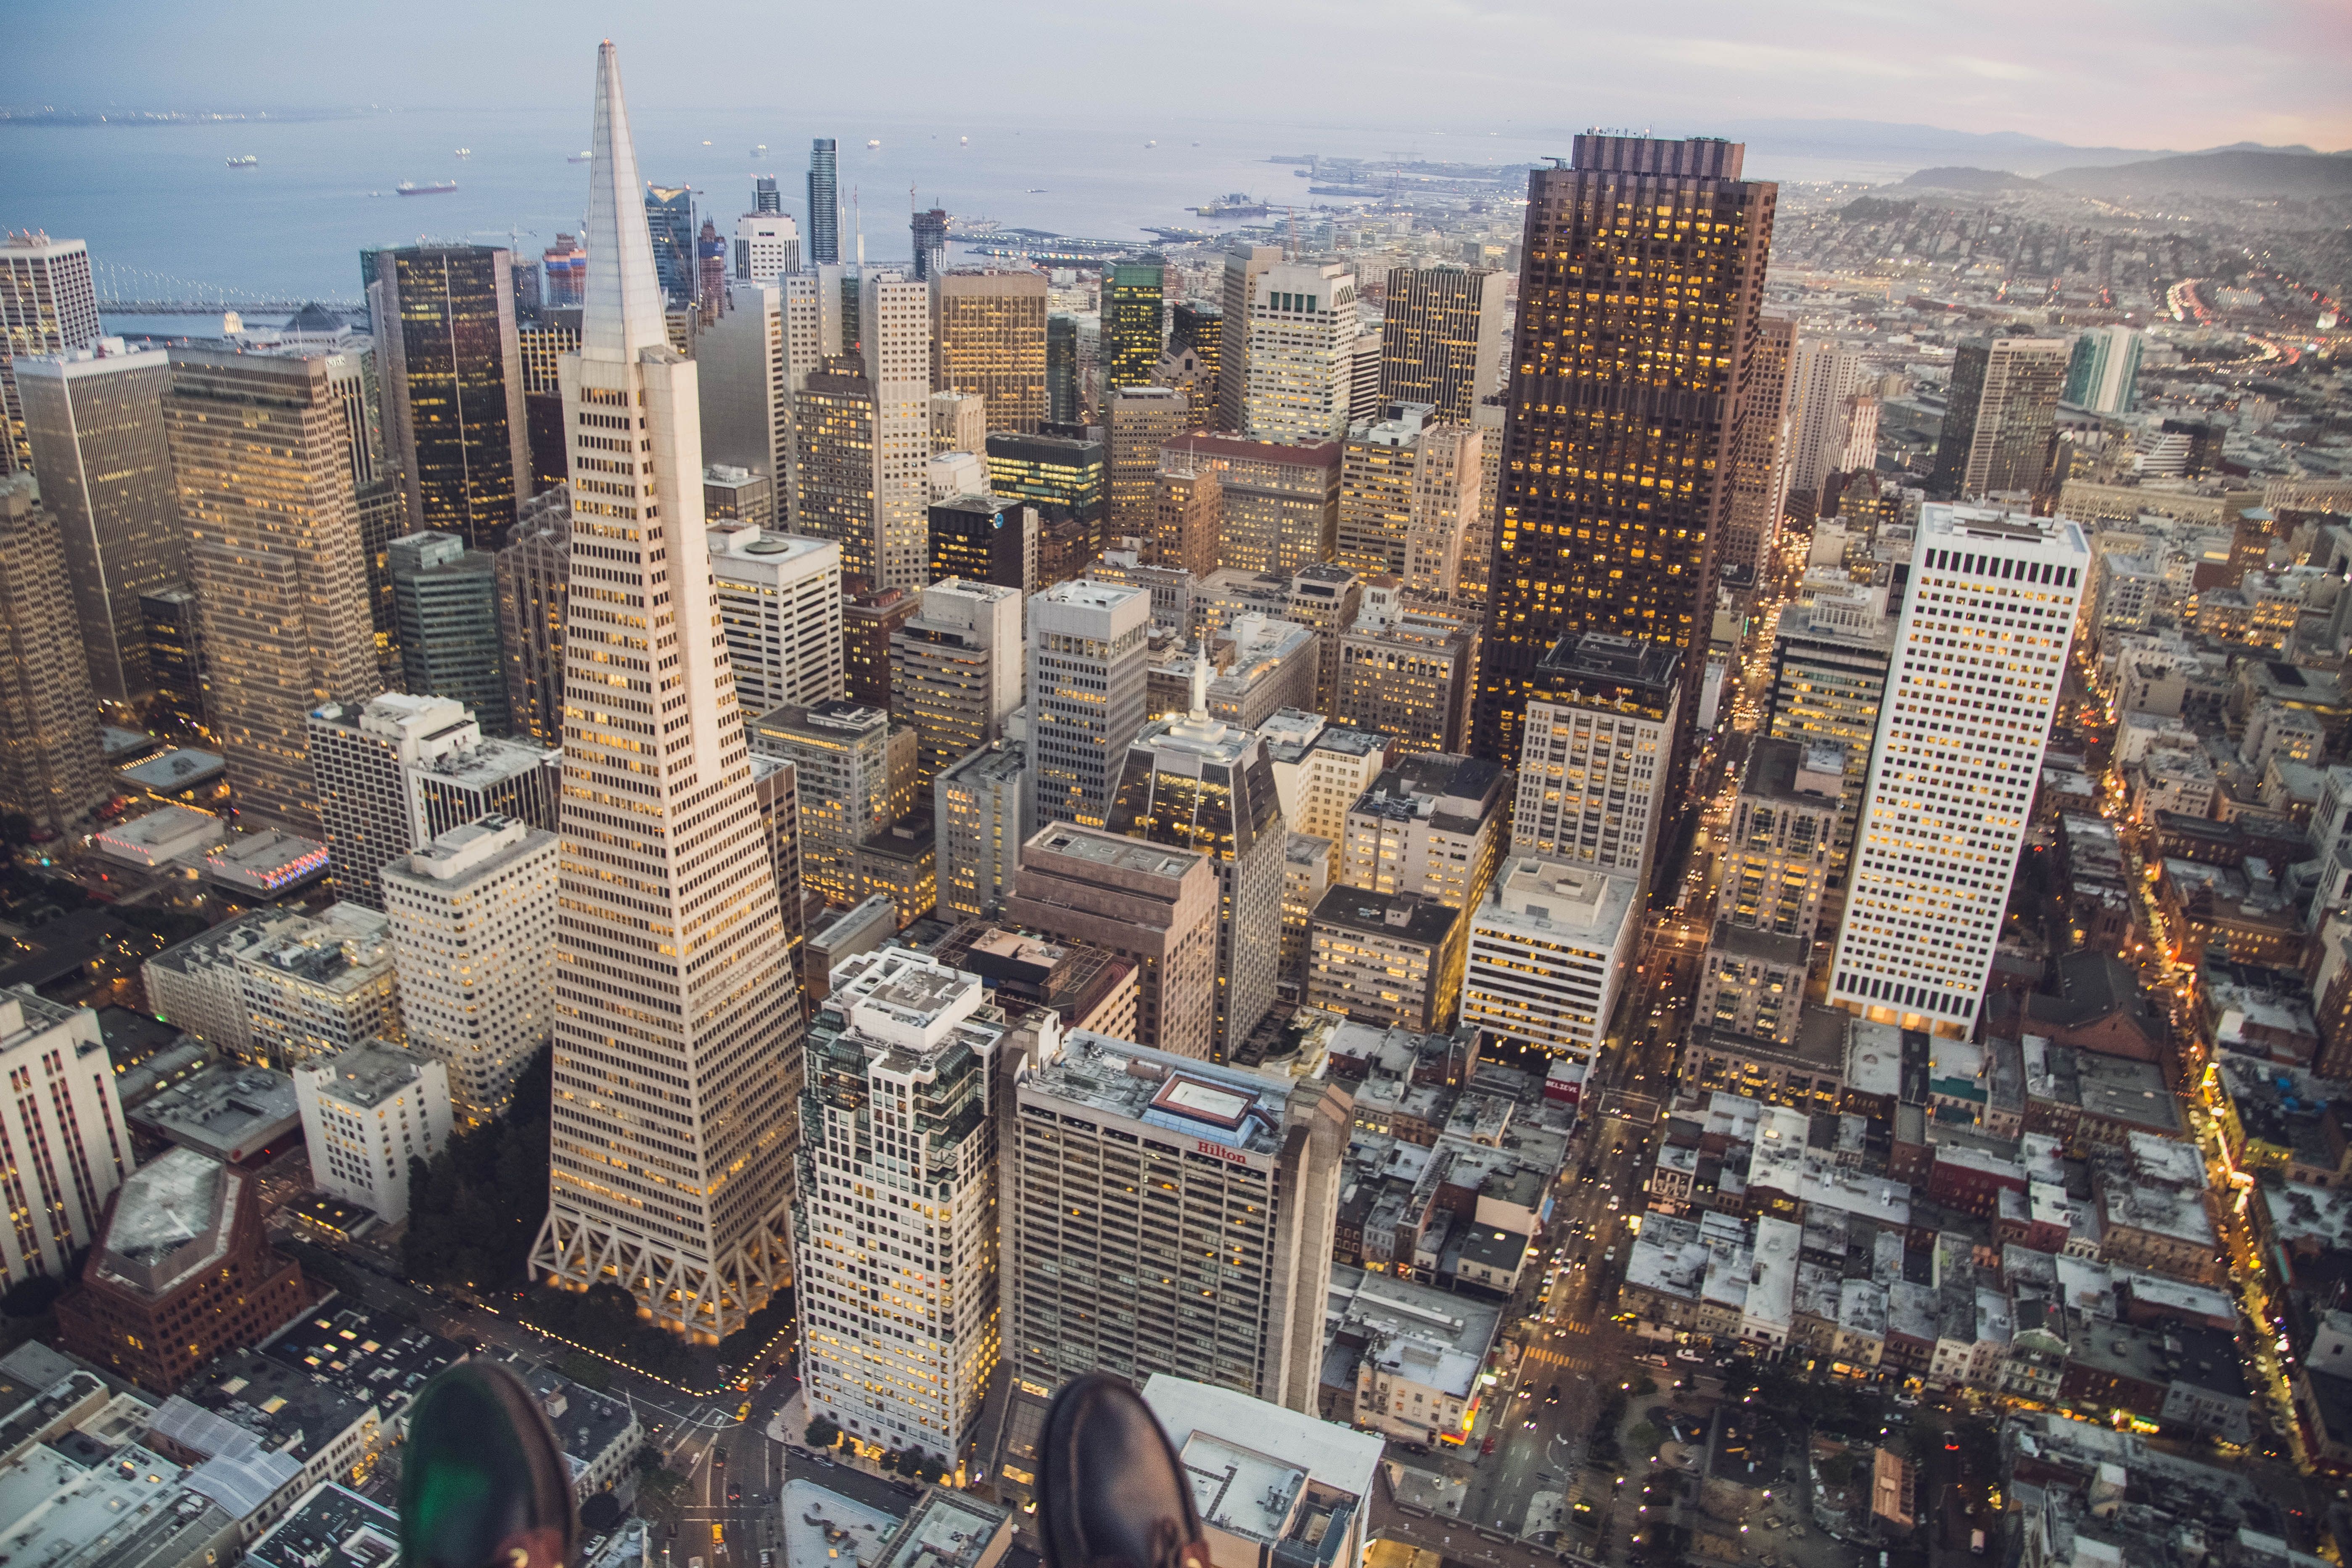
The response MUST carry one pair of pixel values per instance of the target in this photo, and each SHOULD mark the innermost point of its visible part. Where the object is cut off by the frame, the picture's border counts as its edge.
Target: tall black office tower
(1639, 308)
(824, 203)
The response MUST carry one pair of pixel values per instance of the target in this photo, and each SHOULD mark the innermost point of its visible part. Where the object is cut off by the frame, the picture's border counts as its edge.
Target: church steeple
(624, 305)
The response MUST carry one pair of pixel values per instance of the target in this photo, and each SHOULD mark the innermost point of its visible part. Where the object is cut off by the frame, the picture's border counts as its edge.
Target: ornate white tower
(677, 1024)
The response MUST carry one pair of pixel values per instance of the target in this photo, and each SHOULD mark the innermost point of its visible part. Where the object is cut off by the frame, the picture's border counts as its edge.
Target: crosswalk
(1546, 1355)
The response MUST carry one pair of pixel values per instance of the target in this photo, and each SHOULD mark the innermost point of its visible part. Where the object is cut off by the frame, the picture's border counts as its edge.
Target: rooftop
(174, 769)
(362, 1077)
(172, 1220)
(947, 1529)
(229, 1110)
(1225, 1105)
(1404, 917)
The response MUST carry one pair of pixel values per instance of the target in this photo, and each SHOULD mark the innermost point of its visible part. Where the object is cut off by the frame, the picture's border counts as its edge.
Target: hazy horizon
(2151, 74)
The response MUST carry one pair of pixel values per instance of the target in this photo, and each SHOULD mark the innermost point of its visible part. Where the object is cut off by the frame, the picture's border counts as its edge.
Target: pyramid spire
(624, 305)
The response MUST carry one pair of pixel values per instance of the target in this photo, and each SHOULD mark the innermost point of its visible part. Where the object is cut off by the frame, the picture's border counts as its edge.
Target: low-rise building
(366, 1112)
(180, 1272)
(1547, 948)
(1392, 958)
(1274, 1486)
(1404, 1358)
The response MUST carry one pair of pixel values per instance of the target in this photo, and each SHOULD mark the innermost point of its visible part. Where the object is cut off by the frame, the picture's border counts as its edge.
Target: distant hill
(1958, 178)
(2234, 171)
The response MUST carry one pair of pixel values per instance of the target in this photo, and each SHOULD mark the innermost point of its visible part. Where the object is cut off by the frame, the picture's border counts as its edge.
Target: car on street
(1551, 1395)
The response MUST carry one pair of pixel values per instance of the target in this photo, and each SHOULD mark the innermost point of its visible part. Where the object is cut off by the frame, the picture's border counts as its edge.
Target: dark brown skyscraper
(450, 362)
(1639, 307)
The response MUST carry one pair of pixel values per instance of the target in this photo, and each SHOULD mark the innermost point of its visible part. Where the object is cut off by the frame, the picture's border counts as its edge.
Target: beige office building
(1137, 422)
(1155, 905)
(261, 454)
(988, 336)
(51, 767)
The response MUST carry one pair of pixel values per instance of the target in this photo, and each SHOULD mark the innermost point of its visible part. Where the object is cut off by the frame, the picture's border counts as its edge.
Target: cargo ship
(1234, 206)
(430, 188)
(247, 161)
(582, 158)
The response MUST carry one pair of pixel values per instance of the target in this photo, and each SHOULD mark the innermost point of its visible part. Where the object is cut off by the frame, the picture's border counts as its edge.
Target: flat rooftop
(1227, 1106)
(179, 769)
(1114, 852)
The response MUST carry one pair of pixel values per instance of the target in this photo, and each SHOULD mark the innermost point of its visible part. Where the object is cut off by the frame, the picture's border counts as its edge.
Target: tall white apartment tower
(1979, 655)
(1087, 642)
(894, 327)
(675, 1012)
(897, 1219)
(1302, 350)
(1821, 380)
(473, 941)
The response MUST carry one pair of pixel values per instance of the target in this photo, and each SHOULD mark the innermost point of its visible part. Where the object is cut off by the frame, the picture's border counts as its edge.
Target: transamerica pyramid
(678, 1023)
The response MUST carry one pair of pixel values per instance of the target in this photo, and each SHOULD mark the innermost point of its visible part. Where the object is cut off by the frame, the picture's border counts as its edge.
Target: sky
(2169, 74)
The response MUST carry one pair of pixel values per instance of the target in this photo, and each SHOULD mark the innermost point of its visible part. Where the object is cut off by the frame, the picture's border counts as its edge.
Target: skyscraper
(1442, 338)
(673, 996)
(1822, 379)
(565, 266)
(449, 357)
(834, 463)
(446, 599)
(823, 204)
(1132, 339)
(855, 775)
(48, 306)
(1280, 503)
(473, 941)
(1086, 647)
(926, 233)
(978, 806)
(534, 575)
(360, 752)
(1760, 477)
(766, 198)
(1243, 267)
(767, 245)
(669, 217)
(1980, 657)
(894, 326)
(51, 768)
(261, 455)
(1963, 394)
(1101, 1128)
(982, 539)
(1136, 422)
(779, 599)
(2009, 440)
(1302, 351)
(1197, 783)
(988, 336)
(1628, 385)
(2103, 372)
(95, 423)
(955, 670)
(1408, 495)
(744, 366)
(77, 1149)
(1063, 389)
(1594, 762)
(897, 1222)
(1150, 903)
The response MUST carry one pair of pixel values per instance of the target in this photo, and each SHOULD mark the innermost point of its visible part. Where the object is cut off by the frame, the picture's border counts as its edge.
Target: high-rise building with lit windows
(1086, 696)
(897, 1222)
(1829, 676)
(988, 336)
(1197, 783)
(834, 468)
(534, 575)
(678, 1021)
(1202, 1199)
(979, 814)
(449, 358)
(1302, 349)
(261, 454)
(894, 327)
(780, 600)
(1244, 266)
(1594, 743)
(48, 306)
(65, 1121)
(955, 670)
(50, 767)
(95, 421)
(1138, 421)
(1759, 478)
(1980, 656)
(1822, 375)
(1776, 870)
(1639, 307)
(1442, 338)
(1131, 338)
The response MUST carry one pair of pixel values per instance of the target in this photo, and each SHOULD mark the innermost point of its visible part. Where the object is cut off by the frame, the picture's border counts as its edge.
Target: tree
(823, 1433)
(591, 1372)
(600, 1513)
